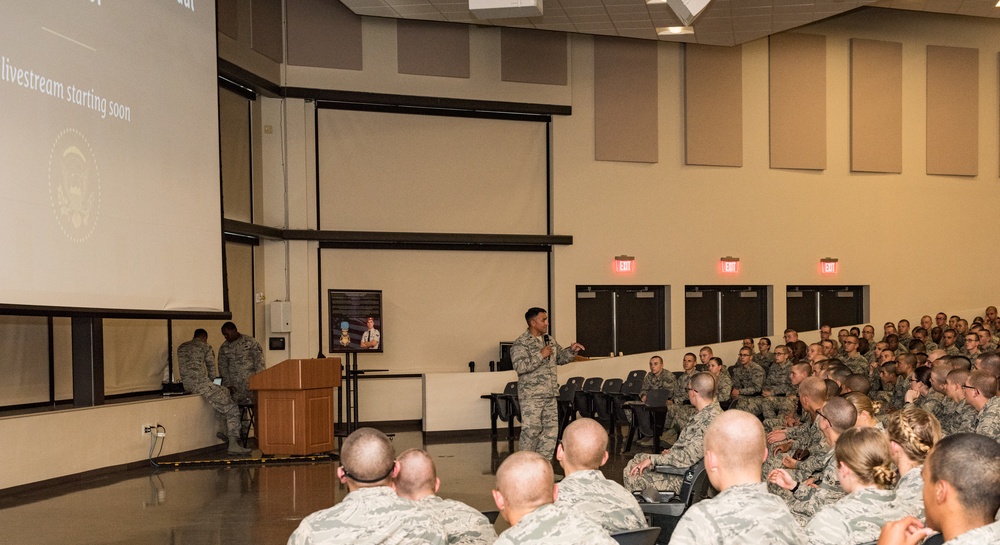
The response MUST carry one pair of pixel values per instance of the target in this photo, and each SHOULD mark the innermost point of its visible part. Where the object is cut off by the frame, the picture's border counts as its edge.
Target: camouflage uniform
(764, 360)
(776, 407)
(680, 410)
(806, 501)
(194, 358)
(899, 392)
(537, 390)
(238, 361)
(811, 466)
(601, 500)
(463, 524)
(723, 386)
(930, 346)
(857, 364)
(806, 436)
(370, 516)
(553, 524)
(988, 421)
(910, 494)
(744, 513)
(688, 449)
(951, 350)
(779, 384)
(984, 534)
(856, 518)
(959, 417)
(933, 402)
(749, 381)
(874, 381)
(663, 381)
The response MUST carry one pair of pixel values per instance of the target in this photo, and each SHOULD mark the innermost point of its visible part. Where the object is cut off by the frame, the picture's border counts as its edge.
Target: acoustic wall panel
(427, 48)
(532, 56)
(713, 105)
(625, 100)
(797, 81)
(952, 110)
(323, 34)
(266, 30)
(876, 106)
(227, 16)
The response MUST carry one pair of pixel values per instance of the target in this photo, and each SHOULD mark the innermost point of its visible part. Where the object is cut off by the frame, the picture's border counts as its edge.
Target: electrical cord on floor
(153, 439)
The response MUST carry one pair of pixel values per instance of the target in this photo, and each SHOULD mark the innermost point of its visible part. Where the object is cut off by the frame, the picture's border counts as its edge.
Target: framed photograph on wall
(355, 320)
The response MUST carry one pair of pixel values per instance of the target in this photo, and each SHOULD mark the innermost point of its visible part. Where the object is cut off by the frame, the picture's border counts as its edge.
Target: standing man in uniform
(195, 358)
(535, 355)
(239, 358)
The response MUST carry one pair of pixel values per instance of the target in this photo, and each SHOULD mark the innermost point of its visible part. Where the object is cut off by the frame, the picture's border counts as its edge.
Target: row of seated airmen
(810, 459)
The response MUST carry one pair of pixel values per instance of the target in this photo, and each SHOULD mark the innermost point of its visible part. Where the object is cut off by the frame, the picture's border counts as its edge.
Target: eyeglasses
(970, 387)
(819, 413)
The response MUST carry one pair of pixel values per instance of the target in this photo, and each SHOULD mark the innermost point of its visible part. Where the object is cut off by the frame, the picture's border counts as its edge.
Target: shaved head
(525, 481)
(737, 439)
(814, 388)
(368, 457)
(417, 477)
(841, 414)
(584, 444)
(704, 384)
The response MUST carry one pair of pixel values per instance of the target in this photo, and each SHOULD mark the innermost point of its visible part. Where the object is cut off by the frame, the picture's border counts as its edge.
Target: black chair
(642, 536)
(936, 539)
(666, 514)
(566, 405)
(248, 421)
(638, 374)
(584, 399)
(504, 406)
(577, 383)
(492, 516)
(604, 408)
(648, 417)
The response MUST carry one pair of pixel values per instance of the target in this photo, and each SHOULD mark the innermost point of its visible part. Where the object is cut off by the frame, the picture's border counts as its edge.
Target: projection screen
(110, 152)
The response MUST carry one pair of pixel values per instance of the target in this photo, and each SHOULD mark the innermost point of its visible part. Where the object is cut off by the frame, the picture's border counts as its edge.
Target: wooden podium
(295, 406)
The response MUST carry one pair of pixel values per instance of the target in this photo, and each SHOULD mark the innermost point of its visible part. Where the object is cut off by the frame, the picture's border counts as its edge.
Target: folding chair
(666, 512)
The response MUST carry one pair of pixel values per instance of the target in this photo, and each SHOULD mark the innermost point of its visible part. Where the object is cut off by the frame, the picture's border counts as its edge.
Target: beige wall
(50, 445)
(899, 234)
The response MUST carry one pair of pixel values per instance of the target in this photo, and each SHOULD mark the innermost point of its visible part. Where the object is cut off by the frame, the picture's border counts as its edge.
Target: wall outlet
(148, 428)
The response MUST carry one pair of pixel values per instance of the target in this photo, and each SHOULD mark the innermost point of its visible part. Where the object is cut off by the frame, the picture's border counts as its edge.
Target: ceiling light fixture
(674, 30)
(688, 10)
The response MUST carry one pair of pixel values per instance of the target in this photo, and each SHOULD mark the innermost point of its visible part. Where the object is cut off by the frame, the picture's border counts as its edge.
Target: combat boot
(236, 449)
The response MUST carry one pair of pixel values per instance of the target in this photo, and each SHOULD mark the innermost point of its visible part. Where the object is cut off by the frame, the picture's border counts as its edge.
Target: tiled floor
(258, 504)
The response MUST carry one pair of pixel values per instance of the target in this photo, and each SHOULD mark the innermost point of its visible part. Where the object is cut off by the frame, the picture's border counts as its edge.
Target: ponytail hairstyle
(862, 403)
(865, 451)
(915, 431)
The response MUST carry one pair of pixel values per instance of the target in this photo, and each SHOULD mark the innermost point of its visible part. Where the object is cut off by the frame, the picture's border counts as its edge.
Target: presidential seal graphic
(75, 185)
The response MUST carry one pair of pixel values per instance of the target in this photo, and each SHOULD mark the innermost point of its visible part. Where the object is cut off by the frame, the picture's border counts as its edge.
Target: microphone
(547, 339)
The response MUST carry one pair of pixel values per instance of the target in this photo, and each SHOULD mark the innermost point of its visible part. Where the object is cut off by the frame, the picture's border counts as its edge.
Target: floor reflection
(230, 505)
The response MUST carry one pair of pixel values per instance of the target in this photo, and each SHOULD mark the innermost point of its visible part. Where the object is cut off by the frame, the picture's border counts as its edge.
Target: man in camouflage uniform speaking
(535, 355)
(239, 358)
(195, 358)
